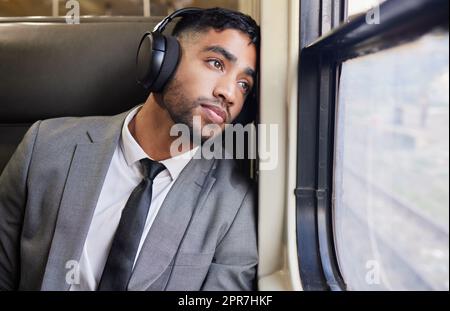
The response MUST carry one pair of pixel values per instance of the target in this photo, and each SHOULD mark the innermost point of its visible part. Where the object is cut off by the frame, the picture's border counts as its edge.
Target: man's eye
(245, 86)
(216, 64)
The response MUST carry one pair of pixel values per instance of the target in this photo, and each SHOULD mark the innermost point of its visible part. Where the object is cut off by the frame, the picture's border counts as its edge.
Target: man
(100, 203)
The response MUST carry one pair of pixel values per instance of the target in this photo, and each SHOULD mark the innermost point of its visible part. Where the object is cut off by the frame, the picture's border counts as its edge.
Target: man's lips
(215, 113)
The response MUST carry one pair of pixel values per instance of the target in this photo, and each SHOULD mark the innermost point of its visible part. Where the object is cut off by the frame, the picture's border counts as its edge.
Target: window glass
(11, 8)
(391, 181)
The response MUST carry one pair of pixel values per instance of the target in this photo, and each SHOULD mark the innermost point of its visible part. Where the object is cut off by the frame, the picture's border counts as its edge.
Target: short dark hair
(219, 19)
(222, 19)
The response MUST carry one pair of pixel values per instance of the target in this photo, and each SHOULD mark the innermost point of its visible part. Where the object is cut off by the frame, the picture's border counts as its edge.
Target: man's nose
(226, 90)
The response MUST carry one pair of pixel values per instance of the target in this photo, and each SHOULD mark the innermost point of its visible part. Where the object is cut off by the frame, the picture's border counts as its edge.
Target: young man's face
(215, 74)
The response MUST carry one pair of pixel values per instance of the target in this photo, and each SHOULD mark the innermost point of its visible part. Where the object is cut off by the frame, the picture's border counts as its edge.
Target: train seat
(49, 69)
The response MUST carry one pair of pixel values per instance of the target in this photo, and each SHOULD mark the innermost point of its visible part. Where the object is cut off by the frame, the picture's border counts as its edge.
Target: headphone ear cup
(149, 59)
(169, 64)
(156, 60)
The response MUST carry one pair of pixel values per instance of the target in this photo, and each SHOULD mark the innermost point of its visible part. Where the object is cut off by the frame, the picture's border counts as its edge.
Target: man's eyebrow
(220, 50)
(229, 56)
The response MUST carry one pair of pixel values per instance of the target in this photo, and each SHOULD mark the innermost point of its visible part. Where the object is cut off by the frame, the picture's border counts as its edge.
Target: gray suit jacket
(203, 238)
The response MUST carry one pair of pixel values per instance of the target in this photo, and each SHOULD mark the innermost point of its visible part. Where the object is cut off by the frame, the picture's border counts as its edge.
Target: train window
(373, 150)
(13, 8)
(392, 168)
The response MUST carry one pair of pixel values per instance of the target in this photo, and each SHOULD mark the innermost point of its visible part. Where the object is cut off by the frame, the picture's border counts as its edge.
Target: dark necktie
(119, 265)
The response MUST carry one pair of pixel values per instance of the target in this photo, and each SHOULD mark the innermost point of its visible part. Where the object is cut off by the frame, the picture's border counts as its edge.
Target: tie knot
(152, 168)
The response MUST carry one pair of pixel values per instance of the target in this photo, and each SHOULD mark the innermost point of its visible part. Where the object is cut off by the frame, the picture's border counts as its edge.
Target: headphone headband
(158, 55)
(181, 12)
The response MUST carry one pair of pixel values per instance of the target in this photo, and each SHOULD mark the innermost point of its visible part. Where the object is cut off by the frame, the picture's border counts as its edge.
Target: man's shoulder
(72, 125)
(75, 129)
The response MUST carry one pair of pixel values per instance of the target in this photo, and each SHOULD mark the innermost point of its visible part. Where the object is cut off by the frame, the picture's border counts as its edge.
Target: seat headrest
(51, 69)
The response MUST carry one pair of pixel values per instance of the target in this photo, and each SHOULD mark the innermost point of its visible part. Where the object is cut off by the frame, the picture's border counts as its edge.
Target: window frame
(319, 73)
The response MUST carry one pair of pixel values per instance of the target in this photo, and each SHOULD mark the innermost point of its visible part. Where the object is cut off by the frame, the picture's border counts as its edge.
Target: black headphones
(158, 55)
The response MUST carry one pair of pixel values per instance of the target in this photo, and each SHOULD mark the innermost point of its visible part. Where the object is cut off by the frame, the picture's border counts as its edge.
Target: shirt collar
(133, 152)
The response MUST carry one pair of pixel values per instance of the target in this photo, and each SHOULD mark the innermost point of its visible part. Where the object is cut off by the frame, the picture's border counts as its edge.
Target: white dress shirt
(124, 174)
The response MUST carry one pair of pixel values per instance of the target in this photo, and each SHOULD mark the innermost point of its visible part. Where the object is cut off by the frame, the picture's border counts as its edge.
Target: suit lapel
(84, 182)
(165, 236)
